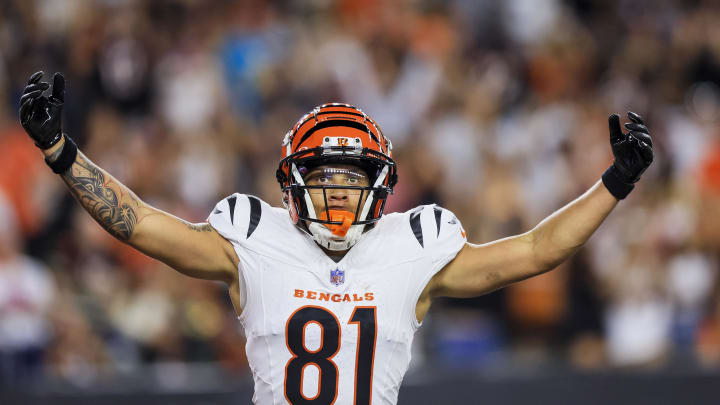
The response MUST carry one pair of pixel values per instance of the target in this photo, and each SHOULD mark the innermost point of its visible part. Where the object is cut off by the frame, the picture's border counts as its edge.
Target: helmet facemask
(338, 228)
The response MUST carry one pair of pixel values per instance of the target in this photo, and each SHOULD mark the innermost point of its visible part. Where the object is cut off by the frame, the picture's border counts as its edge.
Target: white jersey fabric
(321, 332)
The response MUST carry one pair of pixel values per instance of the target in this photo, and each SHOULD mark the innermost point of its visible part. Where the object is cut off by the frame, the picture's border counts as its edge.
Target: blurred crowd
(497, 110)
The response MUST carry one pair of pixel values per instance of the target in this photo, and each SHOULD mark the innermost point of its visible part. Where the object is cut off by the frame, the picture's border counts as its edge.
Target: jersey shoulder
(241, 218)
(428, 229)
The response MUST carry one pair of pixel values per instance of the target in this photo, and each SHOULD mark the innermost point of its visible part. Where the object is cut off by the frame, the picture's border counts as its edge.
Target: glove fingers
(642, 137)
(635, 118)
(37, 86)
(31, 95)
(58, 91)
(647, 154)
(26, 111)
(35, 77)
(636, 127)
(615, 130)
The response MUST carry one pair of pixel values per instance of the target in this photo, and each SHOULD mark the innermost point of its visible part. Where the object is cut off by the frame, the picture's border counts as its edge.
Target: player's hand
(633, 150)
(41, 116)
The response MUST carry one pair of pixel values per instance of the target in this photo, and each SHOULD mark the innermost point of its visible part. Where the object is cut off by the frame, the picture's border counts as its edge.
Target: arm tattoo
(87, 183)
(199, 227)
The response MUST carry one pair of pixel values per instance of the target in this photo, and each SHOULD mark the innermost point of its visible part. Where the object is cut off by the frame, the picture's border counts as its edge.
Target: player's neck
(335, 255)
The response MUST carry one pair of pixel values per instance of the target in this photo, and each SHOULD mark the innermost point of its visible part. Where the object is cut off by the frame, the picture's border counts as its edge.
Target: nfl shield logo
(337, 276)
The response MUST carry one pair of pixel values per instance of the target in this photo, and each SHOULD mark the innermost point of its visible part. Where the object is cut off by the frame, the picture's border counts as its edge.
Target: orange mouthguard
(346, 217)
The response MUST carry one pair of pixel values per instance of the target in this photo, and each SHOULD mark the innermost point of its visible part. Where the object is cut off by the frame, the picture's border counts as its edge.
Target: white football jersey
(321, 332)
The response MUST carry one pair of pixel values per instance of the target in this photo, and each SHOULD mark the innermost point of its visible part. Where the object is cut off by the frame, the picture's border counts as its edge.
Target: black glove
(42, 116)
(633, 155)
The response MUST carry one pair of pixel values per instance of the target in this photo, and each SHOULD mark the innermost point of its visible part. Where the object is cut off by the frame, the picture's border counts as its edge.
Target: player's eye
(353, 180)
(323, 179)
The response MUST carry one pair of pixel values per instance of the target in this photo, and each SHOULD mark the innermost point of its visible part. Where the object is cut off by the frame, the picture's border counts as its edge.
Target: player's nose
(338, 194)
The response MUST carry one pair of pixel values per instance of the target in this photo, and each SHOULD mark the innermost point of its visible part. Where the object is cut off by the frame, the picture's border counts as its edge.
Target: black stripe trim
(416, 226)
(340, 112)
(334, 123)
(255, 214)
(312, 116)
(231, 201)
(374, 138)
(438, 214)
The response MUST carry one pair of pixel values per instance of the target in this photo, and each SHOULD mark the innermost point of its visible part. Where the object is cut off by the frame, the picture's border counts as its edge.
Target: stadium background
(497, 111)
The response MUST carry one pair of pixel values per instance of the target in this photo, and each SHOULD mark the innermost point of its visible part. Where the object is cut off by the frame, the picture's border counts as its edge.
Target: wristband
(615, 185)
(66, 158)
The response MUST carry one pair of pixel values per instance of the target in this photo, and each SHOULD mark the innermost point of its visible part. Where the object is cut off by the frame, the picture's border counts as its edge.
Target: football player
(328, 289)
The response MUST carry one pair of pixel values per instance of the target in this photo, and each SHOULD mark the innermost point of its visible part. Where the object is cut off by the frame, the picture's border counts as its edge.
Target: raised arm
(196, 250)
(478, 269)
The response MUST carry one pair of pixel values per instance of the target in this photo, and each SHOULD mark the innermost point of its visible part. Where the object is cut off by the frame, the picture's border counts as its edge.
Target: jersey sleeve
(438, 237)
(236, 217)
(439, 233)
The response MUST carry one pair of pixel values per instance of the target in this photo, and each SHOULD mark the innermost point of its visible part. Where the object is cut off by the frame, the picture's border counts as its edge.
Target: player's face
(345, 199)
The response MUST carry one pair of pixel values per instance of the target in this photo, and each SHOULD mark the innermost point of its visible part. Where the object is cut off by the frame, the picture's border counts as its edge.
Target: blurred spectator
(26, 293)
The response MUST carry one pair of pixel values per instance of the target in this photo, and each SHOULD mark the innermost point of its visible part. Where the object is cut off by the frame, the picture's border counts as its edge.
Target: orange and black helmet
(336, 133)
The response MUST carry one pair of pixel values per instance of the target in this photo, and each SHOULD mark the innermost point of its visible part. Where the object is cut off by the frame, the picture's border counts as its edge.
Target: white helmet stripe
(368, 200)
(306, 194)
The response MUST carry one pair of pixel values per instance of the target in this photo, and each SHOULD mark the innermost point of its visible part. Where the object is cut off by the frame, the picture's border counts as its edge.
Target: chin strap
(325, 238)
(337, 237)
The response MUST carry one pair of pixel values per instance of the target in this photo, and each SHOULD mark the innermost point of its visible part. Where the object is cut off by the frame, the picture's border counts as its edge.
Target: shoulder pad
(435, 228)
(237, 216)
